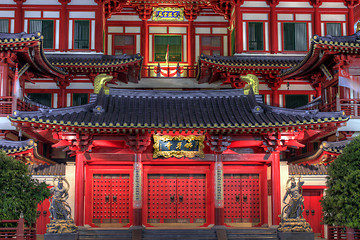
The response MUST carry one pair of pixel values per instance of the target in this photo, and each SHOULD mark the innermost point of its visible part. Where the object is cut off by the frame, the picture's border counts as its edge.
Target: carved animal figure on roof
(253, 82)
(100, 81)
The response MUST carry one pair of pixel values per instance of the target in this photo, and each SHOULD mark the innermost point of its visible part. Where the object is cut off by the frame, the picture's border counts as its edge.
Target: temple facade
(194, 113)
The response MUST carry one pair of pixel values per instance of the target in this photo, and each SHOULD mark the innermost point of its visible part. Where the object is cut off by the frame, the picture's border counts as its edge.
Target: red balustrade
(9, 104)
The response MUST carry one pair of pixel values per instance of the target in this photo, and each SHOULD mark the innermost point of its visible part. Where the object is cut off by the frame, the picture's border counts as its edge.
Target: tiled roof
(91, 60)
(10, 147)
(149, 109)
(334, 147)
(45, 169)
(252, 61)
(307, 169)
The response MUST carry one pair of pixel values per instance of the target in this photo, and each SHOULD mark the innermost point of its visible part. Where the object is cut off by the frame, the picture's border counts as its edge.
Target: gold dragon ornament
(253, 82)
(100, 81)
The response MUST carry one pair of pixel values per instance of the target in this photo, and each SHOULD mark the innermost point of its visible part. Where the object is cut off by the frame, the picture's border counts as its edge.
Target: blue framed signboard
(168, 14)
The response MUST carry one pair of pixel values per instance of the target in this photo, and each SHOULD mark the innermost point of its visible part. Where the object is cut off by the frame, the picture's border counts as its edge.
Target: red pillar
(238, 27)
(64, 29)
(275, 98)
(4, 82)
(351, 19)
(273, 26)
(145, 41)
(19, 16)
(219, 189)
(275, 188)
(191, 46)
(79, 189)
(99, 26)
(316, 17)
(137, 191)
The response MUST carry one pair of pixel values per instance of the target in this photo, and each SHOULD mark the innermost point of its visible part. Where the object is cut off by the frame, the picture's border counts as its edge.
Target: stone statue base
(61, 226)
(61, 236)
(294, 225)
(296, 235)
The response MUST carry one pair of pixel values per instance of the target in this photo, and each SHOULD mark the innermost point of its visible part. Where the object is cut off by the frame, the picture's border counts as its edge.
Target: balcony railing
(349, 106)
(169, 70)
(9, 104)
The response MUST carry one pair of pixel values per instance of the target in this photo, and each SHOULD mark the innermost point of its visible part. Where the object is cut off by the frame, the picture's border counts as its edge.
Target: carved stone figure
(60, 211)
(291, 217)
(295, 206)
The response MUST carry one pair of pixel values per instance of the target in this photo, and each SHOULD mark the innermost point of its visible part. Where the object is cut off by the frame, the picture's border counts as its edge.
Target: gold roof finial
(100, 81)
(253, 82)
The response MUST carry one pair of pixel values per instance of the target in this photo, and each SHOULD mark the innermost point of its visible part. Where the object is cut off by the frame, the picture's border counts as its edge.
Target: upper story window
(42, 98)
(124, 44)
(295, 37)
(168, 48)
(46, 27)
(256, 36)
(211, 45)
(80, 99)
(81, 34)
(333, 29)
(296, 100)
(4, 25)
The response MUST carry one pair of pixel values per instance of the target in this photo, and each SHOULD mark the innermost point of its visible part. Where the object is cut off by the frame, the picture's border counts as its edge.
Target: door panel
(176, 198)
(241, 199)
(43, 216)
(312, 209)
(110, 199)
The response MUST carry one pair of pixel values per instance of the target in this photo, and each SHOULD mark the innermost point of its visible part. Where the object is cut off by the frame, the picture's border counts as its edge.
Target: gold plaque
(168, 14)
(178, 146)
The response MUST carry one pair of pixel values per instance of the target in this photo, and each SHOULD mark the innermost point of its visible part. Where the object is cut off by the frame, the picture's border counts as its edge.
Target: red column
(351, 20)
(219, 189)
(191, 46)
(275, 98)
(19, 16)
(4, 84)
(275, 188)
(79, 189)
(64, 29)
(137, 191)
(145, 41)
(273, 27)
(238, 27)
(99, 26)
(317, 20)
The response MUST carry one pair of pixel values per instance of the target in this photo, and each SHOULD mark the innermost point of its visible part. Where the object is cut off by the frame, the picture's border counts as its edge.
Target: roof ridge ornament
(100, 81)
(253, 82)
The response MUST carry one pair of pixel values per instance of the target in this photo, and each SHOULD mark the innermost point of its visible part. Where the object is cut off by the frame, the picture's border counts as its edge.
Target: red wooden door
(176, 198)
(241, 198)
(43, 217)
(312, 209)
(110, 198)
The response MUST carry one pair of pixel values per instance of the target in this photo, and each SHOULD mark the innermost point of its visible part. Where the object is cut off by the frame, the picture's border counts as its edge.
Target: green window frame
(4, 25)
(233, 42)
(80, 99)
(256, 36)
(42, 98)
(81, 34)
(296, 100)
(161, 43)
(333, 29)
(46, 27)
(295, 37)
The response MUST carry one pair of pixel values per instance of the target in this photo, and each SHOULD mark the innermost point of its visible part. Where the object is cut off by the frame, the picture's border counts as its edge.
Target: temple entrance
(241, 200)
(176, 198)
(111, 200)
(312, 210)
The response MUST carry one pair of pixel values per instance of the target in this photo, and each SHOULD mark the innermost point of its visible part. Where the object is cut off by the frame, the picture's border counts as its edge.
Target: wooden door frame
(184, 169)
(321, 189)
(89, 191)
(256, 169)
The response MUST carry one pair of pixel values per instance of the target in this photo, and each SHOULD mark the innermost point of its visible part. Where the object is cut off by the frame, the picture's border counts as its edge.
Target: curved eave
(118, 128)
(320, 51)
